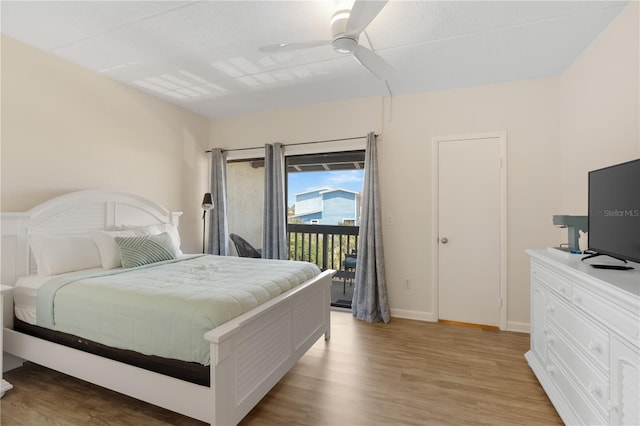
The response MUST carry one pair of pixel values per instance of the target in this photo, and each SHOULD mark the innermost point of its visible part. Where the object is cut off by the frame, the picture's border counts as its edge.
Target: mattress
(25, 295)
(188, 371)
(162, 310)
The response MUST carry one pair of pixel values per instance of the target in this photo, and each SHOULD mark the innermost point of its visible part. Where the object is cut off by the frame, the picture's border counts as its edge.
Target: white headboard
(76, 213)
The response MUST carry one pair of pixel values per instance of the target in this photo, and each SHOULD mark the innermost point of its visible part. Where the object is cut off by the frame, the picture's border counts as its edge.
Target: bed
(248, 354)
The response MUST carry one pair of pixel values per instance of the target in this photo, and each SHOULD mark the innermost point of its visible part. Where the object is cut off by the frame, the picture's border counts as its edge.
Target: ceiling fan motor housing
(342, 43)
(345, 44)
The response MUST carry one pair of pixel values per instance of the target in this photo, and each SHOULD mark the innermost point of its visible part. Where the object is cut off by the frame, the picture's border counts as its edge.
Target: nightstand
(4, 385)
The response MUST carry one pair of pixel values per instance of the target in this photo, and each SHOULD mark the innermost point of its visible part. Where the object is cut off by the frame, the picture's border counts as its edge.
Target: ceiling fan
(346, 26)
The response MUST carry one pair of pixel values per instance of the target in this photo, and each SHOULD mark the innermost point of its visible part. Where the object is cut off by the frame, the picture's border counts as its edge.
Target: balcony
(327, 246)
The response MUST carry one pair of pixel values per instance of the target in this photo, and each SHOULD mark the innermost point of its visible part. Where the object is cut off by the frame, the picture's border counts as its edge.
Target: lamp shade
(207, 202)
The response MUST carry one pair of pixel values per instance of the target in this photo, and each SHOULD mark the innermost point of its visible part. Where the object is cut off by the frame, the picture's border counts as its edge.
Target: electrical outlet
(407, 283)
(389, 220)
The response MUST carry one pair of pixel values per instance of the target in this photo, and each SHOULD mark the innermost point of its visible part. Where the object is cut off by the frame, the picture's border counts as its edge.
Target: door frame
(502, 139)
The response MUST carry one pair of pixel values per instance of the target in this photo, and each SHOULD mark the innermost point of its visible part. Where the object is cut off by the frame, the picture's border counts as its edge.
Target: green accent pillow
(145, 249)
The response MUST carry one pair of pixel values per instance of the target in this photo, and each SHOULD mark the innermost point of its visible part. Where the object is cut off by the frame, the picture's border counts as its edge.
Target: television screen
(614, 211)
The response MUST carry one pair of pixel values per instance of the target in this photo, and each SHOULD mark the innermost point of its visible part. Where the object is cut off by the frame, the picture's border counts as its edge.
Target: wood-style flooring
(401, 373)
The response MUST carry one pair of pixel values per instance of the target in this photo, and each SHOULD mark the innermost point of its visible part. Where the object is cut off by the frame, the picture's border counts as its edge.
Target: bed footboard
(145, 385)
(250, 354)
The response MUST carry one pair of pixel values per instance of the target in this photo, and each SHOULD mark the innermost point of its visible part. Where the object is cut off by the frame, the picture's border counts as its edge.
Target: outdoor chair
(349, 266)
(243, 247)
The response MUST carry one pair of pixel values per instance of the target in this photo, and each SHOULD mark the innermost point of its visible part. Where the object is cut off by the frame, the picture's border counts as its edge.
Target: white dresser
(585, 338)
(4, 385)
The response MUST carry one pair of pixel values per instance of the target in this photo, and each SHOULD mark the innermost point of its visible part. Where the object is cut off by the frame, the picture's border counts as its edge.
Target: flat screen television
(614, 211)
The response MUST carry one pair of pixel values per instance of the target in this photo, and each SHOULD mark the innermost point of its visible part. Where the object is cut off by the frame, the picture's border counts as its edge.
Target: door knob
(444, 240)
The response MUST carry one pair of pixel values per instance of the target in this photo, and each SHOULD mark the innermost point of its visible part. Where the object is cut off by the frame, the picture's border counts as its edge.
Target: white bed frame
(249, 354)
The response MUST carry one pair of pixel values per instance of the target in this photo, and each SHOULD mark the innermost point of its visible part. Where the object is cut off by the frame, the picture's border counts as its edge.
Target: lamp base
(204, 227)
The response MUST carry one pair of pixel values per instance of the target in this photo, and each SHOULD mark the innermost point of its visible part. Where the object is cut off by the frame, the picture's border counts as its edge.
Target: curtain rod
(297, 143)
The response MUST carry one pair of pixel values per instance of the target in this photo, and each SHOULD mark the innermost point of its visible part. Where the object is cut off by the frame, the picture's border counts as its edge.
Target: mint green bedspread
(165, 309)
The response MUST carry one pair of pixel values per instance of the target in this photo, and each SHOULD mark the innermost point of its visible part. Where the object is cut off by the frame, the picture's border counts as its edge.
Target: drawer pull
(594, 346)
(577, 300)
(550, 339)
(550, 308)
(551, 369)
(612, 406)
(595, 390)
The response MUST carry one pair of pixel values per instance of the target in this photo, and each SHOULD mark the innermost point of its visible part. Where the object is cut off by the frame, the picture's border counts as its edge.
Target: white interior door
(470, 229)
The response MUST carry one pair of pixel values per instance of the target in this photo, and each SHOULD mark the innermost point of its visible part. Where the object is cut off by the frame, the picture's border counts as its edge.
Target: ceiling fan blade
(373, 63)
(285, 47)
(362, 13)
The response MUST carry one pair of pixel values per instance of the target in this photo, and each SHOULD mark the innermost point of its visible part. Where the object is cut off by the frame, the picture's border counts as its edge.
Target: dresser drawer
(593, 383)
(585, 333)
(617, 318)
(580, 406)
(555, 282)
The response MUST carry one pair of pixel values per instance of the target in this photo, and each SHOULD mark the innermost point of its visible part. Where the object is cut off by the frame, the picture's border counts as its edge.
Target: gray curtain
(370, 302)
(218, 228)
(274, 223)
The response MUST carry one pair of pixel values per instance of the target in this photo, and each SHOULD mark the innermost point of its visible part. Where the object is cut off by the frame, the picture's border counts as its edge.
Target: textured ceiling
(204, 55)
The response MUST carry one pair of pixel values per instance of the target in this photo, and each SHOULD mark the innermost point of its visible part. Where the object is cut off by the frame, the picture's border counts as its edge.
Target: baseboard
(413, 315)
(520, 327)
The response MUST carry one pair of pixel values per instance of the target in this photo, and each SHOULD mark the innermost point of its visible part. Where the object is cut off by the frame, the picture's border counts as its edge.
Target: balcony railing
(325, 245)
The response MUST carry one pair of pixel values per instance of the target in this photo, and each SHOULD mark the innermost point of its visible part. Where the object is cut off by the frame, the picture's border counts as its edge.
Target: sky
(346, 179)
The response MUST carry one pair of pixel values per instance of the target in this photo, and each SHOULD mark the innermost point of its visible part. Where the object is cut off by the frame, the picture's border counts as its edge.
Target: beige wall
(527, 112)
(544, 119)
(245, 197)
(65, 128)
(342, 119)
(601, 107)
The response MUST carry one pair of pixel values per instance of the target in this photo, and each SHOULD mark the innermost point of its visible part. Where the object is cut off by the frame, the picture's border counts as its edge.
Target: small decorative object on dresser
(4, 385)
(585, 338)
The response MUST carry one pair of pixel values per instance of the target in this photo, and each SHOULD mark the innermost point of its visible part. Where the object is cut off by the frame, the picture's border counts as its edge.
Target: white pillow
(109, 252)
(107, 248)
(57, 254)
